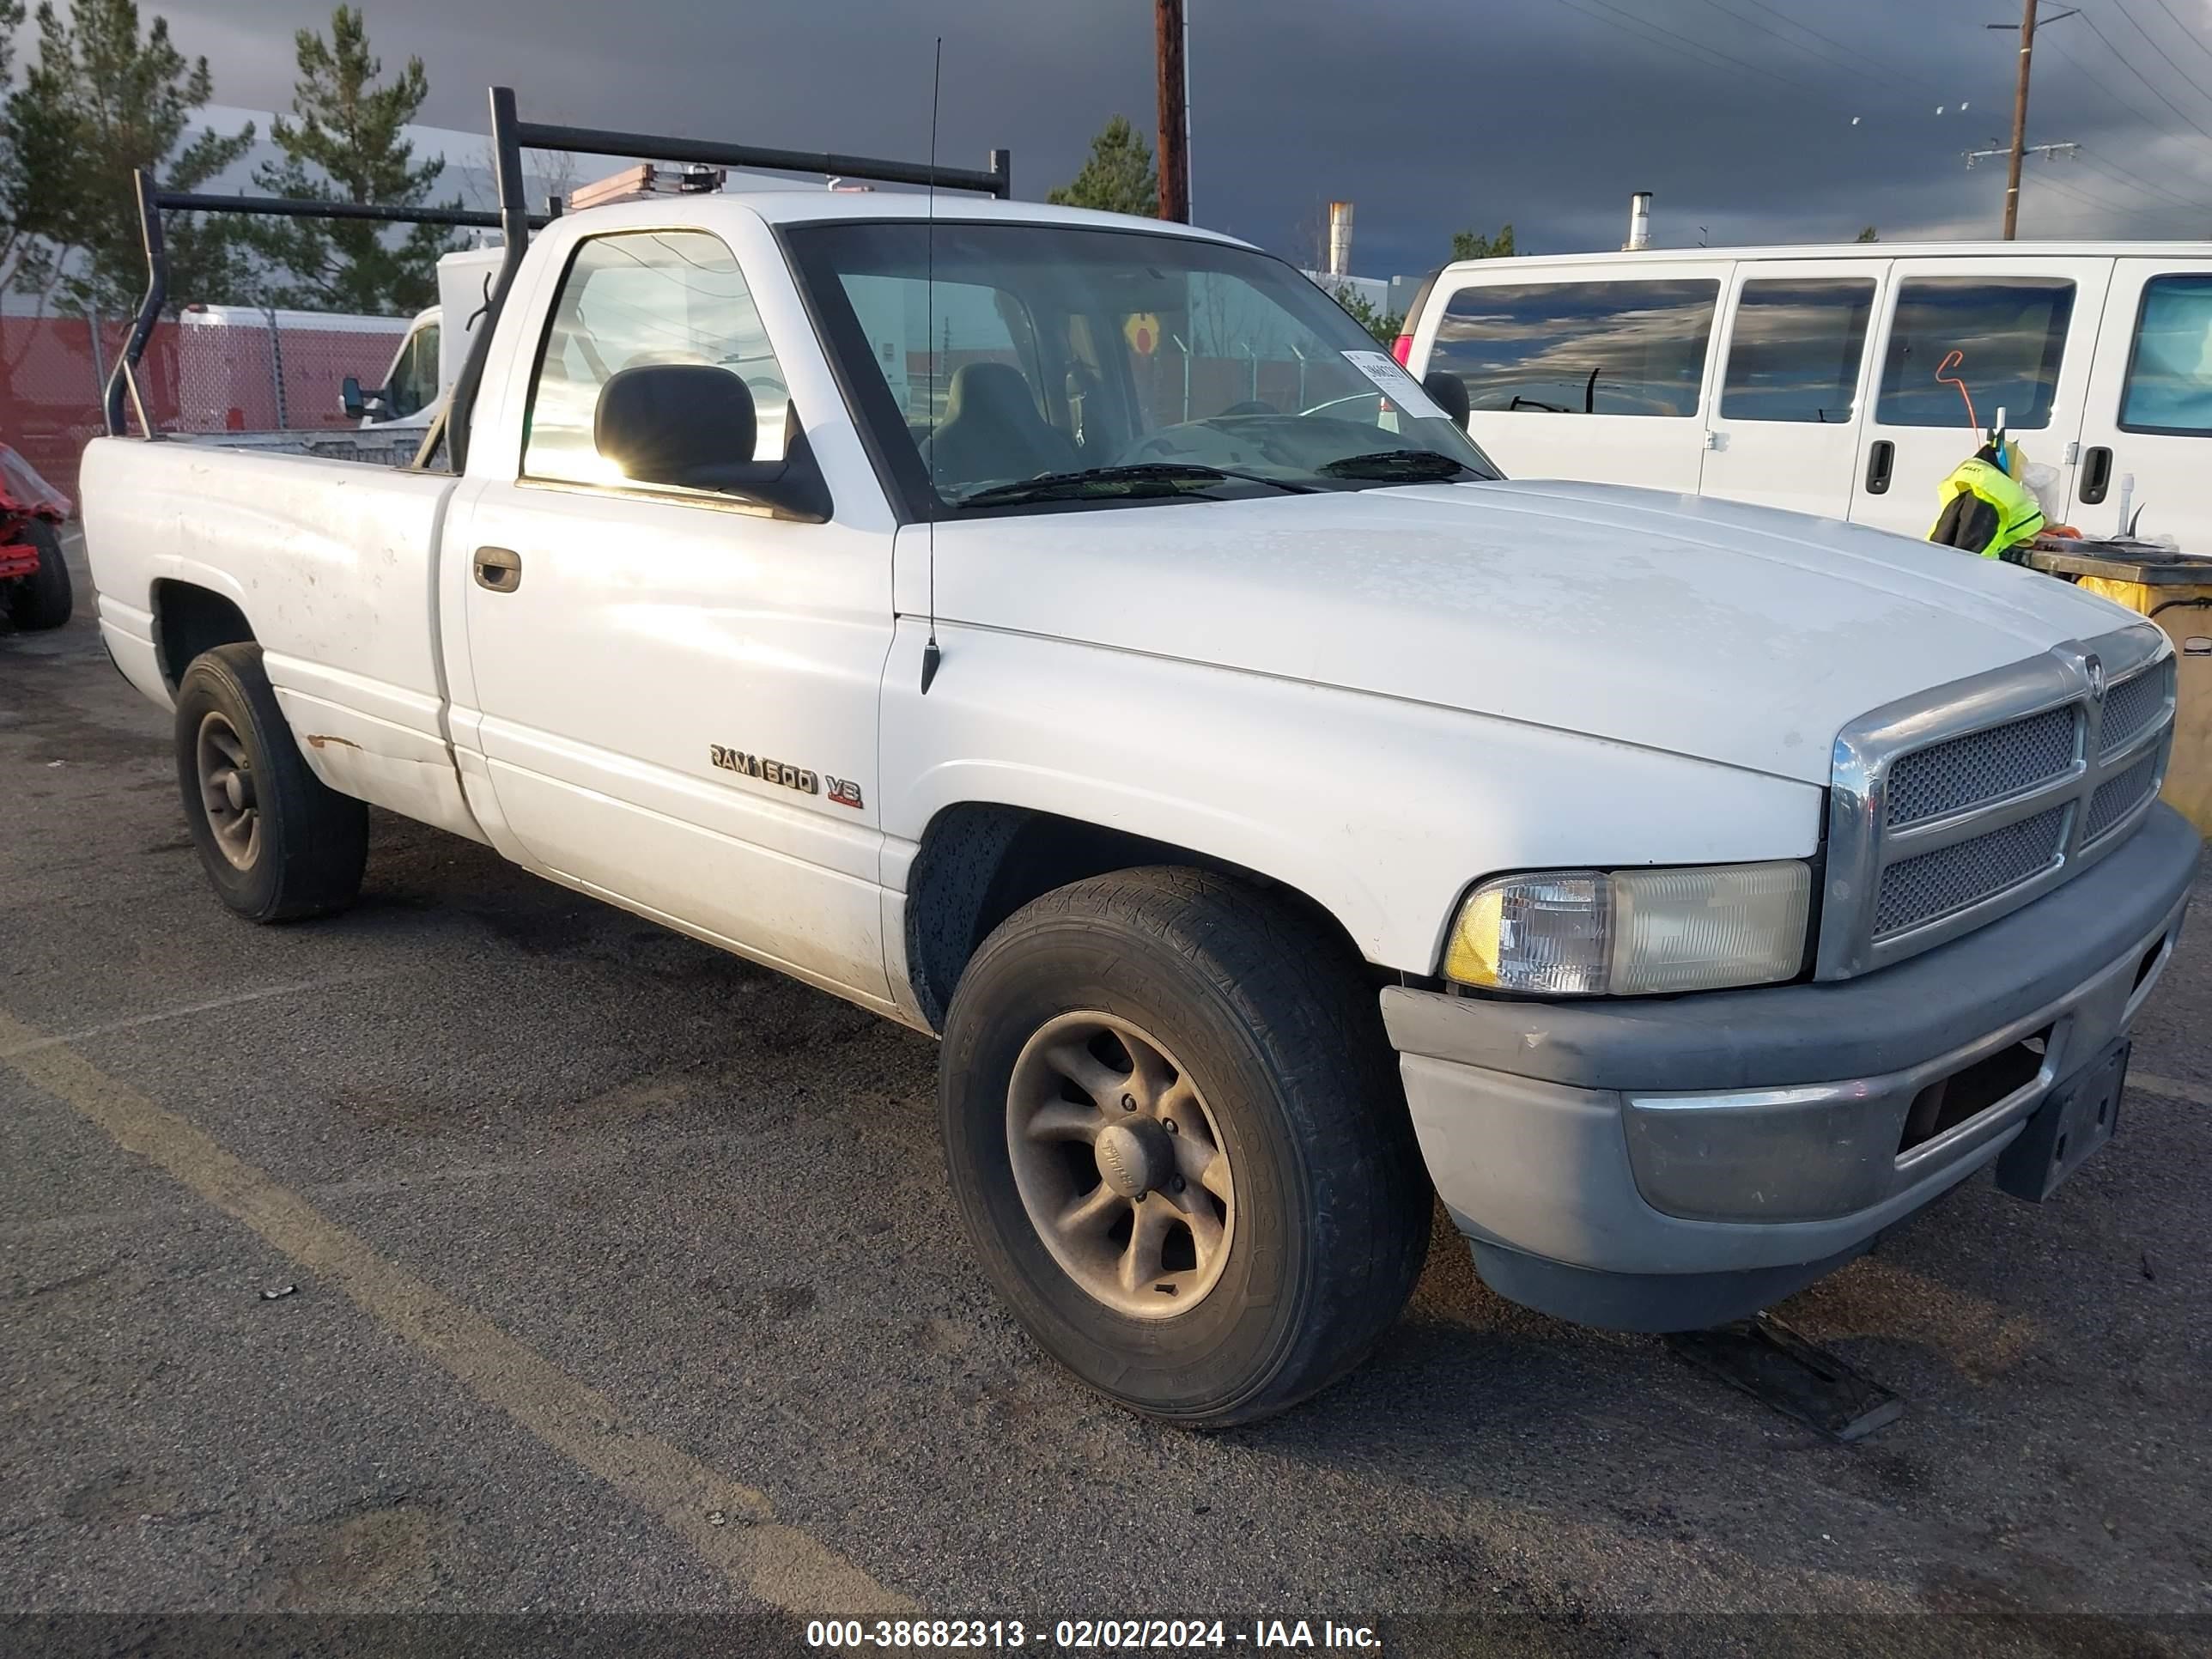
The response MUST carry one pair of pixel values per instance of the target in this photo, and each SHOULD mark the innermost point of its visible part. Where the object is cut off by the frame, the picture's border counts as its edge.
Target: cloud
(1431, 115)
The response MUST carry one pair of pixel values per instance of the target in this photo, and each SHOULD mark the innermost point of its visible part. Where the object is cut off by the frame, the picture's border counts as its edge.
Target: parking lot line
(2172, 1088)
(730, 1525)
(10, 1050)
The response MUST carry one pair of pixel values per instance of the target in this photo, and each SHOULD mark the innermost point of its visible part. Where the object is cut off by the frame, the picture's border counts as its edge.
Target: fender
(1381, 810)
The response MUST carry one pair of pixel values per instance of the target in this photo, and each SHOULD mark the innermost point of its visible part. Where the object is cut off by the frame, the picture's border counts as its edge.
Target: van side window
(2169, 386)
(1794, 349)
(2011, 331)
(1620, 348)
(662, 297)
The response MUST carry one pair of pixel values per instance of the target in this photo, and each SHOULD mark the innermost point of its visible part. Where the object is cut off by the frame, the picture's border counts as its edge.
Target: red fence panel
(206, 372)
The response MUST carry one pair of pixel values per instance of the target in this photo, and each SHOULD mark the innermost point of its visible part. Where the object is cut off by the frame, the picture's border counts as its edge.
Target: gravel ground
(621, 1278)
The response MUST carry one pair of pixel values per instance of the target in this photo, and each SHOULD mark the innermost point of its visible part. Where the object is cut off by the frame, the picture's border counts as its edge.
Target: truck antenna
(932, 657)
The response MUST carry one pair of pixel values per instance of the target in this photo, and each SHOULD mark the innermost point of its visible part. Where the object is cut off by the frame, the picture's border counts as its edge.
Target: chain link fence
(209, 369)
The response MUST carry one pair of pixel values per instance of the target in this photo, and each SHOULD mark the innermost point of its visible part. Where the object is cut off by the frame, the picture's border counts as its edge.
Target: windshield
(1044, 364)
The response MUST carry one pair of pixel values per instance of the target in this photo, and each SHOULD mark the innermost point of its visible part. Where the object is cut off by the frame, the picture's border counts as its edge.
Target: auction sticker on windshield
(1400, 387)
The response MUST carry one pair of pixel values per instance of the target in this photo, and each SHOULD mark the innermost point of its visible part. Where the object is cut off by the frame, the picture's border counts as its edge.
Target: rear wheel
(1179, 1145)
(41, 599)
(276, 843)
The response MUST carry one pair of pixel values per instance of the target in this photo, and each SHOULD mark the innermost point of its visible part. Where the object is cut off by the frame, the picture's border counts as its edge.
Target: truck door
(2147, 436)
(674, 693)
(1783, 429)
(2025, 329)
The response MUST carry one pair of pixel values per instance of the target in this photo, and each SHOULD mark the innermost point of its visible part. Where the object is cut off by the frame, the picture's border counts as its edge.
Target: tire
(41, 599)
(284, 845)
(1325, 1205)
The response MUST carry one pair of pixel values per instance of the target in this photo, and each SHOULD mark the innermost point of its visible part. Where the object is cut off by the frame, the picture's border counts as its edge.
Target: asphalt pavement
(487, 1250)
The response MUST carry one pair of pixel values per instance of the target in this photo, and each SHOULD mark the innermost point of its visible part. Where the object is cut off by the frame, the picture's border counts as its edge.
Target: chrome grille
(1952, 808)
(2134, 705)
(1981, 765)
(1936, 883)
(2115, 795)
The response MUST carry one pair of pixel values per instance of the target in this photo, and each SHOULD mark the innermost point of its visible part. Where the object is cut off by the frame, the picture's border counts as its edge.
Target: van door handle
(2096, 476)
(498, 569)
(1881, 460)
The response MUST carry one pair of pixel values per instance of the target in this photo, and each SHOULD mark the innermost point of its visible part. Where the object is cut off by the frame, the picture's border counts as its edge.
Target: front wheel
(1179, 1146)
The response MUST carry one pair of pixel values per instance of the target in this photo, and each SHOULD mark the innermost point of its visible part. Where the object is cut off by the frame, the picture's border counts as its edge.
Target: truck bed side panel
(333, 563)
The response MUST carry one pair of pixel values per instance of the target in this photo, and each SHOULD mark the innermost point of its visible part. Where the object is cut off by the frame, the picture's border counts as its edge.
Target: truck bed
(370, 446)
(335, 562)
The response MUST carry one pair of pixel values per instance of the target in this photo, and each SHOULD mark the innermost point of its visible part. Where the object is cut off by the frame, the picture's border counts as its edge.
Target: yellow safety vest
(2017, 515)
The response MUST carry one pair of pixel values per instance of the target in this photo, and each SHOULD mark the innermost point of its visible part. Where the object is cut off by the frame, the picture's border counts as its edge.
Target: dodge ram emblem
(2096, 670)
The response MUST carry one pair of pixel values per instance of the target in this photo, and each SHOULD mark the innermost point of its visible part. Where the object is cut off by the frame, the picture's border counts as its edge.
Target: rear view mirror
(1448, 392)
(692, 426)
(349, 396)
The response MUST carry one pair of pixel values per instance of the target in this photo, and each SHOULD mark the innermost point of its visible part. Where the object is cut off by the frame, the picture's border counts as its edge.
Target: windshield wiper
(1400, 465)
(1166, 475)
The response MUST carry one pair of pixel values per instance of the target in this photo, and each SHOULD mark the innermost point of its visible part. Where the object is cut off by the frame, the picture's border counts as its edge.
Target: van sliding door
(2024, 329)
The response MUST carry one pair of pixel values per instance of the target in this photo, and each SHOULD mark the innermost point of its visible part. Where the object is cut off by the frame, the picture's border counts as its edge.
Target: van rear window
(2170, 373)
(2010, 333)
(1605, 348)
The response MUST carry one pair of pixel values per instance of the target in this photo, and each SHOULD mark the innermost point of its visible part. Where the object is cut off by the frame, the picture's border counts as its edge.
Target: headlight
(1632, 933)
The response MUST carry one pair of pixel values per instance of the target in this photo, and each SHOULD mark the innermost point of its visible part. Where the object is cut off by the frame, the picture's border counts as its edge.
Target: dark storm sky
(1430, 114)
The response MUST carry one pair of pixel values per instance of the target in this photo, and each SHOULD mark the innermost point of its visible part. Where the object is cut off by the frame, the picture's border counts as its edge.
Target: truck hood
(1740, 635)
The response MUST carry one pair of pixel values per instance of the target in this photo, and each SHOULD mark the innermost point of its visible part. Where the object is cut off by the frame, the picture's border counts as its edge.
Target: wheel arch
(980, 861)
(190, 619)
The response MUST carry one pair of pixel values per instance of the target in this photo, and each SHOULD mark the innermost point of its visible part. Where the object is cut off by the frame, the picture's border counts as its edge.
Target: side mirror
(1448, 392)
(692, 426)
(355, 405)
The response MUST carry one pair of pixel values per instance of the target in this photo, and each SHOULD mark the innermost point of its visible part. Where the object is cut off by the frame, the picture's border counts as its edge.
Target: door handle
(2096, 476)
(498, 569)
(1881, 460)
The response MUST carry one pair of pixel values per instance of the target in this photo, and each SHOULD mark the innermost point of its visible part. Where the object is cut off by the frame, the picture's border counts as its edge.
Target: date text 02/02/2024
(1291, 1635)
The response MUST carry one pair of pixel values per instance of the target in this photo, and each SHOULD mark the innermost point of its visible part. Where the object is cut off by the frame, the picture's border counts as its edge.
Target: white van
(1807, 377)
(430, 355)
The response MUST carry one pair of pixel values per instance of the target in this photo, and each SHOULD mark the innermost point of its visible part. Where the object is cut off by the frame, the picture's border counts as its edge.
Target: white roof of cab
(803, 204)
(1851, 250)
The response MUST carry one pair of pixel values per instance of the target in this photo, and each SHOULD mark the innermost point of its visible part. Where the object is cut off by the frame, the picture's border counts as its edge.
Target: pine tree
(105, 100)
(1472, 244)
(346, 141)
(1119, 176)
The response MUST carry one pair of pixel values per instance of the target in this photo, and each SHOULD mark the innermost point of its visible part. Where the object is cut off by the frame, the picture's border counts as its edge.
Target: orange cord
(1943, 379)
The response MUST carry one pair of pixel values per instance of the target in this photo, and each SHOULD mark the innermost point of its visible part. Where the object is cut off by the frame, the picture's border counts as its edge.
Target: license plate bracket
(2077, 1120)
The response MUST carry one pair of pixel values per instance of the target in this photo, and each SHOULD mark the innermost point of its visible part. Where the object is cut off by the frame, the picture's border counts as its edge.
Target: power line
(2187, 33)
(1676, 42)
(1886, 68)
(2121, 175)
(1883, 78)
(2120, 6)
(2128, 110)
(2126, 64)
(2126, 214)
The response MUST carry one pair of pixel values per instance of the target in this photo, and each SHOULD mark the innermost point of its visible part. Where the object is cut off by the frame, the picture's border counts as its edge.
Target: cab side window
(638, 297)
(2011, 335)
(1794, 349)
(2169, 386)
(1615, 348)
(415, 375)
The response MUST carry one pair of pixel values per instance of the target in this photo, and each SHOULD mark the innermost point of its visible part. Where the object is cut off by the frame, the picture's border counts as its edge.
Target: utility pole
(1175, 111)
(2027, 27)
(2018, 119)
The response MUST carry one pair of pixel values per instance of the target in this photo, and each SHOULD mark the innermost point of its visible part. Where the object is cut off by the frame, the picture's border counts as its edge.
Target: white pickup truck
(1275, 812)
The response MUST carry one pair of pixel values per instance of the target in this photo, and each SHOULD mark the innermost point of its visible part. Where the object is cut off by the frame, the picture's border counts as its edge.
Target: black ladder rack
(511, 135)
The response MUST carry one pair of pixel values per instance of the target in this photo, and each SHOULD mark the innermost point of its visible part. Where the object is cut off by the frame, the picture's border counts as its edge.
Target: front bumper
(1666, 1164)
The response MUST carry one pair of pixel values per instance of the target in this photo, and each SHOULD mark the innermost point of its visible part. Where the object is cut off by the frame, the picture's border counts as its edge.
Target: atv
(35, 580)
